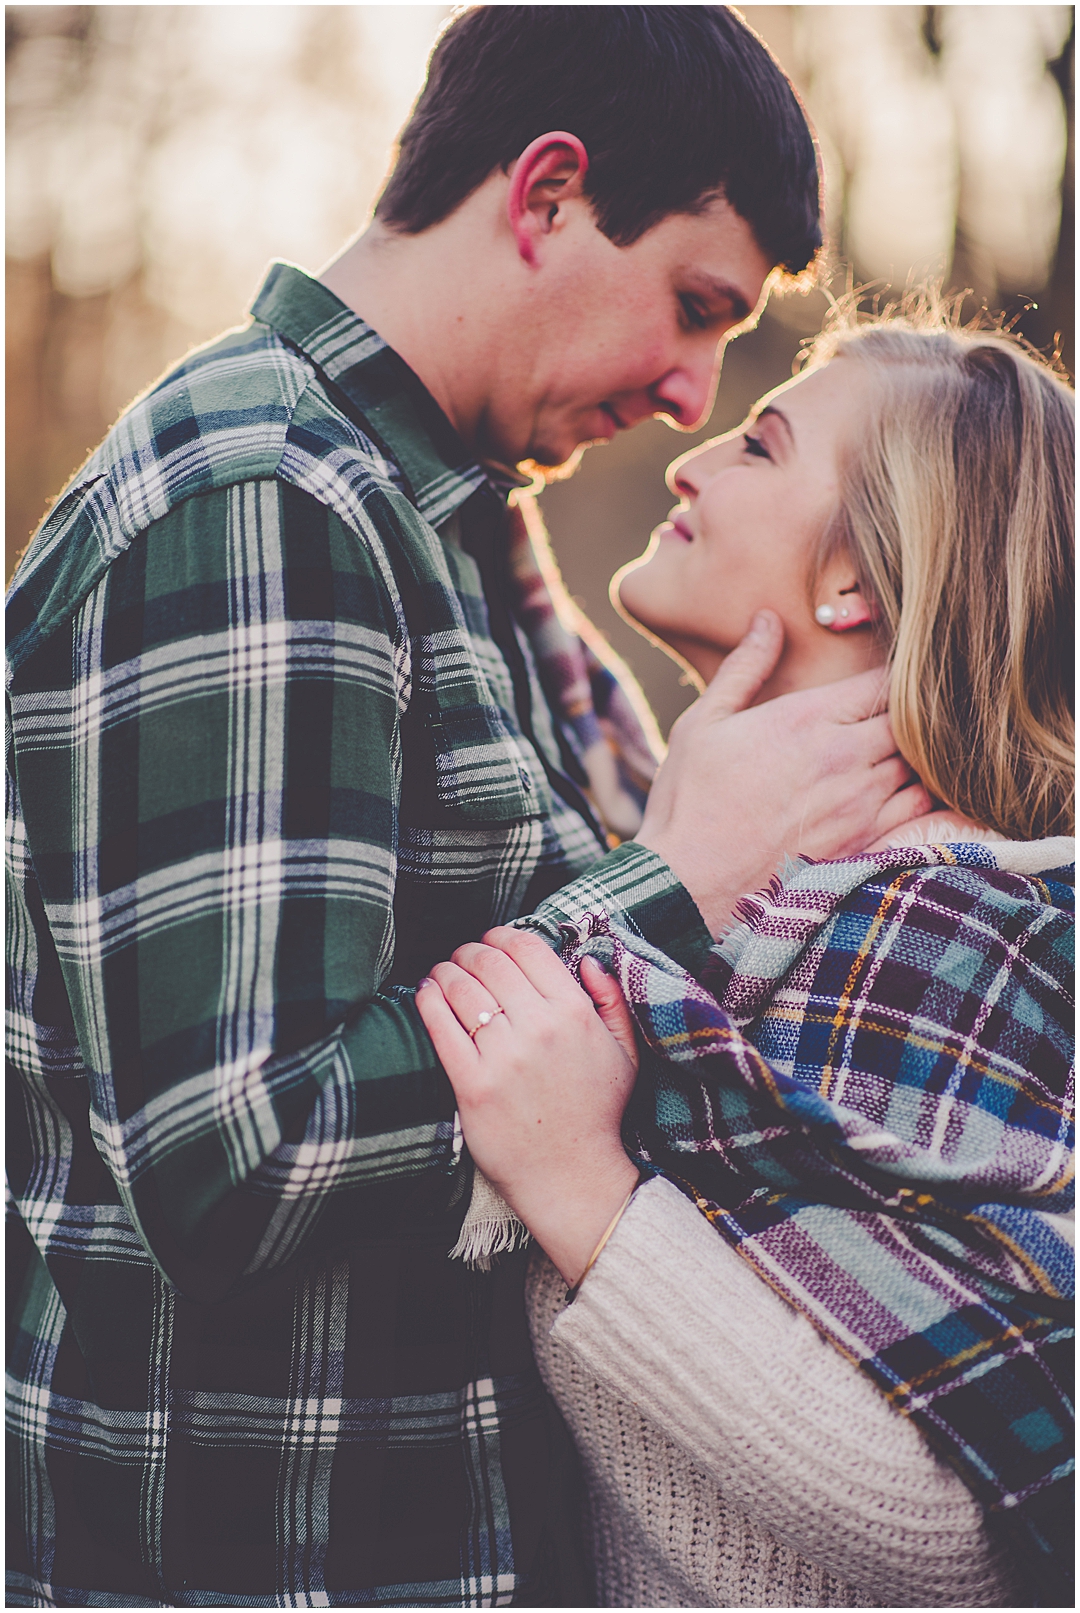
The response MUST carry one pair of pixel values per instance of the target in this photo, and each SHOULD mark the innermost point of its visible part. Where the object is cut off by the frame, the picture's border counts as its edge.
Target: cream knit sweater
(733, 1457)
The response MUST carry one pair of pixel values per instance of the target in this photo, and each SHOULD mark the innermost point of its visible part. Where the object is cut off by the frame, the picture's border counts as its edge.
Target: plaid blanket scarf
(869, 1095)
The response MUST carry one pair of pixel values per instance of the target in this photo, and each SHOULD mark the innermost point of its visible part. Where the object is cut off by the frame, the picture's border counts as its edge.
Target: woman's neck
(804, 664)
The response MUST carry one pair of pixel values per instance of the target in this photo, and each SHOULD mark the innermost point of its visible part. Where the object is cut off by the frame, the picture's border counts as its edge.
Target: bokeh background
(159, 156)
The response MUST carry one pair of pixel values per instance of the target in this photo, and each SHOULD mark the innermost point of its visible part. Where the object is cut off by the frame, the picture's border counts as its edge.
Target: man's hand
(815, 772)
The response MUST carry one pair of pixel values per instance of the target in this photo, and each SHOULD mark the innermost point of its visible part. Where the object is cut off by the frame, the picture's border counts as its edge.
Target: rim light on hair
(957, 511)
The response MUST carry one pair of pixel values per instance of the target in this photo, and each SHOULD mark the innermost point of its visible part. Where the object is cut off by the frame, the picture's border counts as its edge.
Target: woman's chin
(625, 590)
(636, 602)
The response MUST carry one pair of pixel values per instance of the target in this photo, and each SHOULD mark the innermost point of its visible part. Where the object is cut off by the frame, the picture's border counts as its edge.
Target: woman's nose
(682, 481)
(688, 475)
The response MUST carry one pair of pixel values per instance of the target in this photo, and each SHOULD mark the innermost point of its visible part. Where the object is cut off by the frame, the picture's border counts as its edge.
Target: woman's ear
(852, 610)
(843, 606)
(548, 173)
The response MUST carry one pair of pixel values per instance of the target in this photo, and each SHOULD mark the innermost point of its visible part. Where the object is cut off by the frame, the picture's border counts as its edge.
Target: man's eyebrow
(723, 291)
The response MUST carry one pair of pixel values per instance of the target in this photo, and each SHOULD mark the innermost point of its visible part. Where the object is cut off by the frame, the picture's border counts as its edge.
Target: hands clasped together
(541, 1086)
(543, 1080)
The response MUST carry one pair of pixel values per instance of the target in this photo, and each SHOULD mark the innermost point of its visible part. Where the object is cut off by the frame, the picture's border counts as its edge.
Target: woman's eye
(754, 445)
(693, 313)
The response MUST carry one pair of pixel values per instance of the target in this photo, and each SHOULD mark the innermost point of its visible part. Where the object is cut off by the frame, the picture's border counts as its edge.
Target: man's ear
(548, 173)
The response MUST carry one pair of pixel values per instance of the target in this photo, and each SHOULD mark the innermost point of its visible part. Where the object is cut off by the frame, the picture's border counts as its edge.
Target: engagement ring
(485, 1019)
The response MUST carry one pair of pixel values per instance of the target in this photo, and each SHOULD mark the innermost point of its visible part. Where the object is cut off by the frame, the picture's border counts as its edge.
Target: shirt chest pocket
(461, 763)
(471, 826)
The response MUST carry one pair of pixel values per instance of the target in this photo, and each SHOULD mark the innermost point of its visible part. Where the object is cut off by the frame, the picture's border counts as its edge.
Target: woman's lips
(676, 529)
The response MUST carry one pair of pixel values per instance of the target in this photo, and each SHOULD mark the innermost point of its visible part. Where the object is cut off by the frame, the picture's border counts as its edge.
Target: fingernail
(425, 980)
(759, 627)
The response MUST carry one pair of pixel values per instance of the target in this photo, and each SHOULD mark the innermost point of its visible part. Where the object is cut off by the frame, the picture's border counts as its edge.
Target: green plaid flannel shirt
(276, 745)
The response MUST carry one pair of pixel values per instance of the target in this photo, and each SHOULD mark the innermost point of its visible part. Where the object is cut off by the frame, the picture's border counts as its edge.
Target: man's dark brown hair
(674, 105)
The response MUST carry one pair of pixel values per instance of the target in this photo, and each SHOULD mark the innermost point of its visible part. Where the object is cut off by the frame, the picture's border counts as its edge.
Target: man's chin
(545, 464)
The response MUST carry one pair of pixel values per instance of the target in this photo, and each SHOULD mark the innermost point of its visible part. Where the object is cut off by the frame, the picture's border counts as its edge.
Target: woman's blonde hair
(957, 513)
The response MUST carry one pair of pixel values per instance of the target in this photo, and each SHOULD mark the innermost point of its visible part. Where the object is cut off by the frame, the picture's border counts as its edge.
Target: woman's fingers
(483, 977)
(518, 974)
(457, 1054)
(611, 1005)
(469, 997)
(509, 959)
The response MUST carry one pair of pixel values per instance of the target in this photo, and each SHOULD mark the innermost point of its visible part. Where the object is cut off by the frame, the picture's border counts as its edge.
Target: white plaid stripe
(253, 831)
(86, 797)
(29, 1402)
(310, 1430)
(341, 343)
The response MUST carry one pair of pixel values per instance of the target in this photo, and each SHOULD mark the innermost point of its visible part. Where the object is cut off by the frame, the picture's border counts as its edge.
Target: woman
(884, 1147)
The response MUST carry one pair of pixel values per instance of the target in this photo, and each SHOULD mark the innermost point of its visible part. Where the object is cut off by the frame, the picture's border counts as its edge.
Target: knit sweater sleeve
(672, 1319)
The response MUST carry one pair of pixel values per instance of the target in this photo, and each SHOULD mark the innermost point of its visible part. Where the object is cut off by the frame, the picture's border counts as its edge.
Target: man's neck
(420, 293)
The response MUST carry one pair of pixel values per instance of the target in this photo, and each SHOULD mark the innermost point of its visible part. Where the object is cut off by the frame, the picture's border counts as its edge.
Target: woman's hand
(541, 1086)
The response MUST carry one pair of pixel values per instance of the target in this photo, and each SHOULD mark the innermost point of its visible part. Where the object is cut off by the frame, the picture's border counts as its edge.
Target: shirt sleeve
(213, 832)
(638, 892)
(671, 1320)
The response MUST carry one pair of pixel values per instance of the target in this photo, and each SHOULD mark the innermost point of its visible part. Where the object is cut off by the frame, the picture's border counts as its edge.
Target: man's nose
(686, 392)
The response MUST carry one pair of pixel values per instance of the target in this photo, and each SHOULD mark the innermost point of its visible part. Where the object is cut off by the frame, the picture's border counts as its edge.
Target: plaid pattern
(868, 1092)
(276, 744)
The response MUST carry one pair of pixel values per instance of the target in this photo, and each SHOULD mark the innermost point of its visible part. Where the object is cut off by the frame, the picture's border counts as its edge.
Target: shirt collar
(440, 471)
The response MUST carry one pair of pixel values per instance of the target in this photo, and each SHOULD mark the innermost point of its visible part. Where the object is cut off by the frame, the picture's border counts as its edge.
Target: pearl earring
(825, 615)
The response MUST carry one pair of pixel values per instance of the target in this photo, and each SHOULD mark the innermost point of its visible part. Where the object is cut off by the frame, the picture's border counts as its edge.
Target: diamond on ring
(485, 1019)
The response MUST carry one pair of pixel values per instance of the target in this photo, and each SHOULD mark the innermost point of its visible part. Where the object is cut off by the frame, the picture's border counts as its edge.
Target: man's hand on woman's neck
(801, 666)
(816, 772)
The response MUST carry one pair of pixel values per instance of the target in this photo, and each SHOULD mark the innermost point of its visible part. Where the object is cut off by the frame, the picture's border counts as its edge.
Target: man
(278, 745)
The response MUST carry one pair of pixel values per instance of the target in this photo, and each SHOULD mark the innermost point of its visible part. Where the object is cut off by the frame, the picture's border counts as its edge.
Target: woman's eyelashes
(754, 445)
